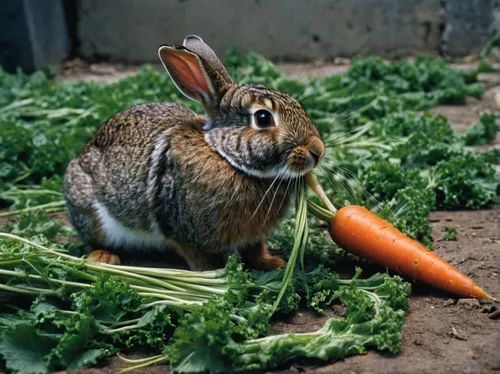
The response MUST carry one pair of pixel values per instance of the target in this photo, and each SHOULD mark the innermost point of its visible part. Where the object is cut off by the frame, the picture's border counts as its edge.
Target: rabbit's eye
(263, 118)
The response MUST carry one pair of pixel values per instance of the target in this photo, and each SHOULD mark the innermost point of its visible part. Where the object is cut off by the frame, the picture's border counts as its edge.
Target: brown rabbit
(158, 175)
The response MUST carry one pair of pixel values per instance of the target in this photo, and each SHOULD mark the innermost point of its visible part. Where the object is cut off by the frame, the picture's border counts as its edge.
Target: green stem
(184, 305)
(109, 269)
(174, 272)
(319, 212)
(162, 297)
(141, 360)
(121, 323)
(53, 205)
(185, 295)
(13, 193)
(26, 174)
(120, 329)
(147, 363)
(100, 267)
(16, 104)
(45, 279)
(300, 228)
(28, 290)
(220, 291)
(199, 281)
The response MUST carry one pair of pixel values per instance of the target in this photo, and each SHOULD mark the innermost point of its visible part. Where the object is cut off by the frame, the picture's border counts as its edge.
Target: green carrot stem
(313, 184)
(319, 212)
(300, 228)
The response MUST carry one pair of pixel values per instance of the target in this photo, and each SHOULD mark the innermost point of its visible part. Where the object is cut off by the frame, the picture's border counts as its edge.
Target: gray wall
(33, 33)
(38, 32)
(465, 25)
(132, 30)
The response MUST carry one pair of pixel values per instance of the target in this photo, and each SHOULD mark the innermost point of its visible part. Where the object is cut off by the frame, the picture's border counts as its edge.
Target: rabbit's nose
(317, 149)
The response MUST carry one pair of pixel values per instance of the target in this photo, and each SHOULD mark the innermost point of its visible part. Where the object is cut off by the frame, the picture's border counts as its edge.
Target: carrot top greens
(60, 312)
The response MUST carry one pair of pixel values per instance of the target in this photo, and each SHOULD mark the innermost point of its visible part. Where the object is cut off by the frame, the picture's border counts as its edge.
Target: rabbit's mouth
(299, 164)
(304, 158)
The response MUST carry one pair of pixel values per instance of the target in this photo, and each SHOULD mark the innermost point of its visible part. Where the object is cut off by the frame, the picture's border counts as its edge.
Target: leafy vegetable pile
(384, 152)
(87, 311)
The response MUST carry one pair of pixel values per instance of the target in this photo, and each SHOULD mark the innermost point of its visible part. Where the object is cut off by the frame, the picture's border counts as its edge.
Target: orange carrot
(362, 233)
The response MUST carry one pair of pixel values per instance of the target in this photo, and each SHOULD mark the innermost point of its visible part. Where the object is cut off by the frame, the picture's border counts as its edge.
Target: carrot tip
(484, 294)
(489, 297)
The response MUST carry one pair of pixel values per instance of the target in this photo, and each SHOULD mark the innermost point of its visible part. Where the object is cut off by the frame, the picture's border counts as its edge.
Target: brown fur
(209, 185)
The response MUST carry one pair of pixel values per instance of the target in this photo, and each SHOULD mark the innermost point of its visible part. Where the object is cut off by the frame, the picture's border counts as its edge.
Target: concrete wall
(133, 30)
(37, 32)
(466, 25)
(32, 33)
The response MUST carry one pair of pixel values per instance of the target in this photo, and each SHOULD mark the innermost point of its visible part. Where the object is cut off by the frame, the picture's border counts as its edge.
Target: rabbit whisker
(282, 177)
(267, 191)
(331, 174)
(355, 182)
(346, 137)
(348, 180)
(286, 192)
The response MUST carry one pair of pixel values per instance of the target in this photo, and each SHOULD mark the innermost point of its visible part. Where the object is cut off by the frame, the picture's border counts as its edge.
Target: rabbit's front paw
(258, 257)
(268, 262)
(103, 256)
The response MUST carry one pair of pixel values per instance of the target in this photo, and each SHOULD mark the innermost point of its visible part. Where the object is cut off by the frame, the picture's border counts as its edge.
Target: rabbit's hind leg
(79, 196)
(258, 257)
(90, 230)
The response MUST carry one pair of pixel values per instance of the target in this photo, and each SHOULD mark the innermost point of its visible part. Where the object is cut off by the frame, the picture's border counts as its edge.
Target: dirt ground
(441, 334)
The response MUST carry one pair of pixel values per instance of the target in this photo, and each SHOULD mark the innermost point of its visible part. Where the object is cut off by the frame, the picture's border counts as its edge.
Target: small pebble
(458, 335)
(449, 302)
(468, 304)
(495, 315)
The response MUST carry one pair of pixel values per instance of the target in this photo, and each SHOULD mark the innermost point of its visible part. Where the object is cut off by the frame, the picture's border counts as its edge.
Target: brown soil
(441, 334)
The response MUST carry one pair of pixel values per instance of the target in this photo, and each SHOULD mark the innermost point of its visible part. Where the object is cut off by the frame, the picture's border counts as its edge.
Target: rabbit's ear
(197, 45)
(192, 75)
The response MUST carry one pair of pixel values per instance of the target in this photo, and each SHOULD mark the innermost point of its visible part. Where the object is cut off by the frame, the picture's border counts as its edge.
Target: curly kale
(213, 339)
(465, 180)
(482, 133)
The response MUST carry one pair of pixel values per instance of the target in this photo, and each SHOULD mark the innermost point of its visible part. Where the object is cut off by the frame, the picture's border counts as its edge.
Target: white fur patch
(120, 236)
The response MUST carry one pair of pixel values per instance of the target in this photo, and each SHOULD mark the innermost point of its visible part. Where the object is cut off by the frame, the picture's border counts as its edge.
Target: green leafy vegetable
(63, 313)
(375, 314)
(482, 133)
(450, 234)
